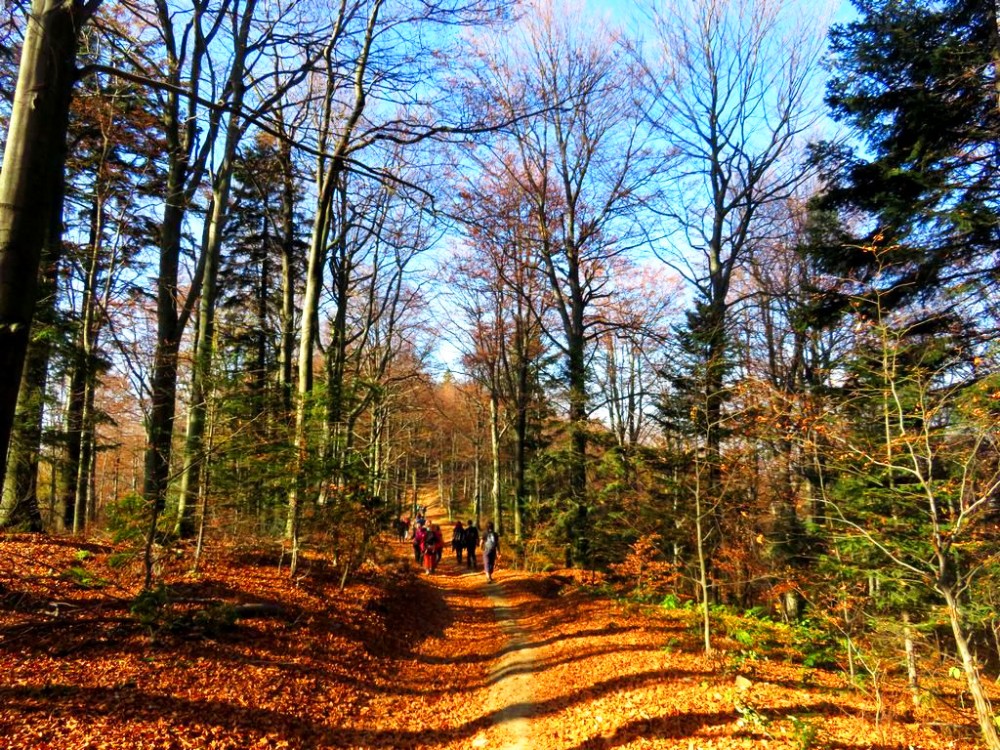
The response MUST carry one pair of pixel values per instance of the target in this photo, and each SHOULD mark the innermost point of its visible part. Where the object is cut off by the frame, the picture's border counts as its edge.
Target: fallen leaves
(396, 660)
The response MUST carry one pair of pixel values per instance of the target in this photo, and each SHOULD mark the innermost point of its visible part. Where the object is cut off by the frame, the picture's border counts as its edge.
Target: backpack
(490, 542)
(471, 537)
(458, 539)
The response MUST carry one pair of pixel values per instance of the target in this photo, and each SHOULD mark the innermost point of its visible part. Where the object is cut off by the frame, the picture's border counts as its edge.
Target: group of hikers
(428, 543)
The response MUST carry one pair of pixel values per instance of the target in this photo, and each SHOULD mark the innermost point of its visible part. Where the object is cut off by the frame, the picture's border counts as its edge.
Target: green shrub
(671, 601)
(83, 578)
(819, 648)
(151, 608)
(804, 732)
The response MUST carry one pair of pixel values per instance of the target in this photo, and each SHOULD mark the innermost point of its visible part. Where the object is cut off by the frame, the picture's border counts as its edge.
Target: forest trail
(399, 659)
(559, 668)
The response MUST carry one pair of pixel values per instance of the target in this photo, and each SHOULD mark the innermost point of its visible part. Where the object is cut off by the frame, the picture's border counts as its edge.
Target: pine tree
(918, 83)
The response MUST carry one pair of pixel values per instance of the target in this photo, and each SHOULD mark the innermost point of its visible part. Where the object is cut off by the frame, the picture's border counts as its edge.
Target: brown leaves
(394, 661)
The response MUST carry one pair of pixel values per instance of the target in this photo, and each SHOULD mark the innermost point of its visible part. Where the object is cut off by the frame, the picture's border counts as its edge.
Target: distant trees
(503, 298)
(580, 164)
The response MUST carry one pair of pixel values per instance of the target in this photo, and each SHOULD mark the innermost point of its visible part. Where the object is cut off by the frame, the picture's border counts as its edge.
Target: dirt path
(532, 663)
(513, 675)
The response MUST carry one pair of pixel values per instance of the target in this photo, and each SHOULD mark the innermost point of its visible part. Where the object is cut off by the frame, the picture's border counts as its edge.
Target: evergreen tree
(917, 81)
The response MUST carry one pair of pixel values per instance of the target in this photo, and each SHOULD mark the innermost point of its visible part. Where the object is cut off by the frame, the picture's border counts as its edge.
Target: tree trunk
(520, 466)
(69, 464)
(330, 172)
(212, 251)
(19, 506)
(578, 550)
(699, 516)
(86, 372)
(287, 277)
(495, 455)
(31, 181)
(85, 467)
(984, 712)
(911, 661)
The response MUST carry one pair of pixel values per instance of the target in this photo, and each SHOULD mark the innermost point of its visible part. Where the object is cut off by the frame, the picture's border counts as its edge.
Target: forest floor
(399, 659)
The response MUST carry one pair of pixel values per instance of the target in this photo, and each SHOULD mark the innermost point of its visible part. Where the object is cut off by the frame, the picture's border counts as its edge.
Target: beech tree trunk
(984, 712)
(19, 506)
(330, 172)
(495, 454)
(31, 179)
(212, 251)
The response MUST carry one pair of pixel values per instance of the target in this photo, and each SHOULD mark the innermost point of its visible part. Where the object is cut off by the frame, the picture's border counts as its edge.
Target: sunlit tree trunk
(31, 180)
(212, 251)
(984, 711)
(495, 456)
(329, 172)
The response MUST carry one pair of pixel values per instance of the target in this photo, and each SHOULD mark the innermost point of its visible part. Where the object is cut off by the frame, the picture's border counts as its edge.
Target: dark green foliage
(158, 611)
(83, 578)
(128, 518)
(916, 80)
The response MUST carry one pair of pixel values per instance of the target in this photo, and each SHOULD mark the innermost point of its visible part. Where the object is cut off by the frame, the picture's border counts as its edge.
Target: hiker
(402, 528)
(471, 538)
(491, 550)
(438, 544)
(419, 534)
(458, 541)
(427, 550)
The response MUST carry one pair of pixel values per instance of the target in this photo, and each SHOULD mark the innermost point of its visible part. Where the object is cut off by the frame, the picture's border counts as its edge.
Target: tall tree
(580, 164)
(241, 22)
(31, 179)
(917, 83)
(502, 296)
(371, 60)
(729, 87)
(729, 82)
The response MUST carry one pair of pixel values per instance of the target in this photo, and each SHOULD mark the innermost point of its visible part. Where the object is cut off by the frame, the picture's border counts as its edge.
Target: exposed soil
(400, 659)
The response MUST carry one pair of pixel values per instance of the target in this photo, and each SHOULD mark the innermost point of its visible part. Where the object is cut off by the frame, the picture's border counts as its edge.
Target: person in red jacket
(419, 534)
(438, 545)
(430, 548)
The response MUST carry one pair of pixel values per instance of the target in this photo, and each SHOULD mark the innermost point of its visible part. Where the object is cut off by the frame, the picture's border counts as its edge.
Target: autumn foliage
(241, 656)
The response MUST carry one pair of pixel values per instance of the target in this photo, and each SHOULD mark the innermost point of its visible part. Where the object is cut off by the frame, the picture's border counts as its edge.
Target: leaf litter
(399, 660)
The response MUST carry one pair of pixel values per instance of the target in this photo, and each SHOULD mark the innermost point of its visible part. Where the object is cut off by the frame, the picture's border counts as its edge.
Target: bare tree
(730, 84)
(502, 297)
(580, 163)
(379, 93)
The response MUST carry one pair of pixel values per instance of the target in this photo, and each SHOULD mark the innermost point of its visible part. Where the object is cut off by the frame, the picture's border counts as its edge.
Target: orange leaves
(392, 662)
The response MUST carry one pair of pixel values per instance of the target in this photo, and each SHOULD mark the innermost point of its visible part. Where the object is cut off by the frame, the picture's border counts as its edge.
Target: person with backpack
(491, 550)
(438, 544)
(471, 538)
(430, 550)
(458, 541)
